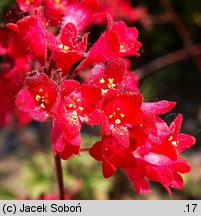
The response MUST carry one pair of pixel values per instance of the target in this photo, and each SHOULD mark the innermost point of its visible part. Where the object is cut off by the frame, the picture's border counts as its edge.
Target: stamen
(174, 143)
(170, 138)
(42, 106)
(38, 97)
(111, 81)
(102, 80)
(117, 121)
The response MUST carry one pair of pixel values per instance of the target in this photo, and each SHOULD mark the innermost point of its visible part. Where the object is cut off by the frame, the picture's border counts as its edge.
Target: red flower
(79, 99)
(117, 41)
(170, 142)
(39, 96)
(142, 131)
(112, 154)
(157, 168)
(32, 31)
(119, 113)
(114, 76)
(77, 105)
(64, 144)
(67, 49)
(109, 77)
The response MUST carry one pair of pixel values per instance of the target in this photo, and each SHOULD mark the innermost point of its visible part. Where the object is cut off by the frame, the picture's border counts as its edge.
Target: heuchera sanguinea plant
(43, 56)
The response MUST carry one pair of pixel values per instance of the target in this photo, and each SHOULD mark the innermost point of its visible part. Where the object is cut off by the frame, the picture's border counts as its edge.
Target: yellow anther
(74, 113)
(102, 80)
(40, 90)
(70, 105)
(61, 46)
(38, 97)
(117, 121)
(111, 85)
(111, 81)
(79, 100)
(110, 116)
(121, 46)
(170, 138)
(104, 91)
(118, 109)
(80, 108)
(141, 125)
(66, 48)
(174, 143)
(122, 115)
(42, 106)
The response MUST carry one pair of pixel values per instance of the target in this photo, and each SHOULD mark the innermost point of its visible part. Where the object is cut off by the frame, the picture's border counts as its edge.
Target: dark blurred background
(169, 68)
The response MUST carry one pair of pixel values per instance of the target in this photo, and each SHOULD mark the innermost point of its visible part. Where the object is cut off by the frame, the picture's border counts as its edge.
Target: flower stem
(85, 149)
(59, 176)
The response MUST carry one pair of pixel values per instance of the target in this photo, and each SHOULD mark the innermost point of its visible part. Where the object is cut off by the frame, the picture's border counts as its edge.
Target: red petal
(108, 169)
(32, 31)
(158, 108)
(162, 175)
(141, 186)
(137, 177)
(68, 86)
(97, 72)
(39, 115)
(94, 118)
(177, 181)
(88, 101)
(130, 82)
(116, 70)
(69, 151)
(121, 134)
(184, 141)
(181, 165)
(96, 151)
(72, 56)
(24, 101)
(176, 125)
(127, 161)
(138, 172)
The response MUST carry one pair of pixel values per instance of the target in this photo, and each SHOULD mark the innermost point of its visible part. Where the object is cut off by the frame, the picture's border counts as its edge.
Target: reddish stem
(59, 177)
(85, 149)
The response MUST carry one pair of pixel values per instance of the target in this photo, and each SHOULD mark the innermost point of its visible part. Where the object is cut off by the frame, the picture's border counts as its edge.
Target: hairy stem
(59, 177)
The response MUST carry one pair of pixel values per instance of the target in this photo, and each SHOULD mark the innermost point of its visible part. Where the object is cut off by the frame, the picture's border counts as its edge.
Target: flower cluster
(50, 52)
